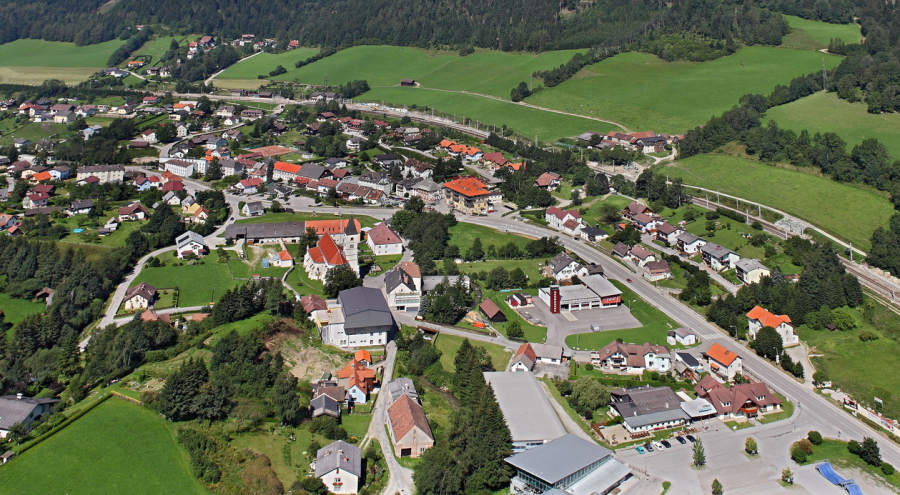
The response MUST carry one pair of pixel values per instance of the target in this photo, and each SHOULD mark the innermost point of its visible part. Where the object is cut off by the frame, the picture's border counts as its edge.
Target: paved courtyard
(560, 326)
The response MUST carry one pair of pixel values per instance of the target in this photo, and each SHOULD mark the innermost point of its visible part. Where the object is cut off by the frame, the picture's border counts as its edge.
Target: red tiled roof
(766, 318)
(287, 167)
(721, 355)
(383, 234)
(406, 414)
(467, 186)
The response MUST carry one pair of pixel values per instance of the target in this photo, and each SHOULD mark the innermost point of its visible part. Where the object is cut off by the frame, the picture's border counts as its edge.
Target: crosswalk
(712, 336)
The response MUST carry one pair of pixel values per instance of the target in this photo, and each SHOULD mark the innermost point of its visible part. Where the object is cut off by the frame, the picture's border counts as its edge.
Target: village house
(690, 244)
(133, 212)
(18, 409)
(745, 400)
(656, 270)
(248, 186)
(339, 466)
(563, 267)
(104, 173)
(723, 363)
(253, 209)
(530, 354)
(285, 171)
(681, 336)
(634, 208)
(646, 223)
(471, 196)
(640, 255)
(750, 270)
(593, 234)
(567, 221)
(408, 427)
(403, 286)
(383, 240)
(633, 358)
(140, 296)
(35, 200)
(718, 257)
(281, 259)
(668, 233)
(189, 243)
(758, 317)
(647, 408)
(415, 168)
(548, 181)
(80, 206)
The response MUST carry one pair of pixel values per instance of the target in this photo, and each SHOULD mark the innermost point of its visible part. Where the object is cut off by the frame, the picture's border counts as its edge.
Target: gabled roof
(290, 168)
(326, 251)
(635, 208)
(632, 353)
(404, 415)
(14, 410)
(383, 234)
(490, 308)
(311, 303)
(338, 455)
(721, 355)
(526, 355)
(559, 262)
(641, 252)
(666, 228)
(143, 289)
(745, 264)
(766, 318)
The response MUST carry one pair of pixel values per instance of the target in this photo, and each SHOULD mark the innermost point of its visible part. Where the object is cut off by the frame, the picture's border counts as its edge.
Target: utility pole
(824, 73)
(851, 251)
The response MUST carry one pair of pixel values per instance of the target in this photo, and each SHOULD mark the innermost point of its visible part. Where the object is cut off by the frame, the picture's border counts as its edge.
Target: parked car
(681, 440)
(666, 444)
(659, 446)
(690, 438)
(639, 449)
(648, 447)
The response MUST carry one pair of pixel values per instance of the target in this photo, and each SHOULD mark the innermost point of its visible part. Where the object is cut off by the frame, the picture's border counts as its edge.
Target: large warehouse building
(595, 291)
(529, 415)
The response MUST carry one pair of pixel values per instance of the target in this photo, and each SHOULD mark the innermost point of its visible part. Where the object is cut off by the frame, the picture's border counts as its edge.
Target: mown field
(118, 447)
(157, 47)
(643, 92)
(265, 62)
(34, 61)
(843, 210)
(822, 32)
(198, 284)
(14, 310)
(825, 112)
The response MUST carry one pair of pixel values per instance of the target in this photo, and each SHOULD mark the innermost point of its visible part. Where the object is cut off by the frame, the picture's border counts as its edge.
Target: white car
(659, 446)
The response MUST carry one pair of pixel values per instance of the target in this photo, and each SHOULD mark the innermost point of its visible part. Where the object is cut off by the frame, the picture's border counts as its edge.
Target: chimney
(19, 396)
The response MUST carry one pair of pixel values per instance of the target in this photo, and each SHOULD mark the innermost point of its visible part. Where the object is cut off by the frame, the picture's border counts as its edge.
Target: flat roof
(600, 479)
(697, 408)
(555, 460)
(654, 418)
(600, 285)
(525, 406)
(574, 293)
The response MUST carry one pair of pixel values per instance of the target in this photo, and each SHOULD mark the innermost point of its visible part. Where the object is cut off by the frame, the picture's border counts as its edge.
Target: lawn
(463, 235)
(198, 285)
(815, 199)
(39, 53)
(449, 344)
(356, 424)
(33, 131)
(264, 63)
(851, 363)
(823, 32)
(687, 94)
(529, 122)
(489, 72)
(272, 445)
(835, 451)
(113, 449)
(656, 325)
(532, 333)
(300, 281)
(155, 48)
(115, 239)
(14, 309)
(825, 112)
(242, 327)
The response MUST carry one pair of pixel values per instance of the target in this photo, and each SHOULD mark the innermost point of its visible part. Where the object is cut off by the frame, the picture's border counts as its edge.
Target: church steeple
(351, 244)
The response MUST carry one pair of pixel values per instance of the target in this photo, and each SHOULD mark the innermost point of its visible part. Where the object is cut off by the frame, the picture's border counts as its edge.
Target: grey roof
(101, 168)
(750, 264)
(312, 171)
(401, 386)
(266, 230)
(396, 277)
(187, 237)
(560, 261)
(654, 418)
(601, 479)
(641, 401)
(169, 195)
(338, 455)
(324, 404)
(688, 359)
(548, 351)
(525, 406)
(14, 410)
(689, 238)
(562, 457)
(698, 407)
(716, 250)
(601, 286)
(255, 206)
(594, 231)
(80, 204)
(365, 310)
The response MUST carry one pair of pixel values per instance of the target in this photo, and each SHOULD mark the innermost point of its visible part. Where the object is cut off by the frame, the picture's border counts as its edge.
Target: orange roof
(326, 251)
(446, 143)
(331, 226)
(457, 148)
(517, 166)
(467, 186)
(472, 151)
(721, 354)
(528, 351)
(766, 318)
(284, 255)
(287, 167)
(363, 355)
(182, 105)
(170, 176)
(41, 176)
(358, 375)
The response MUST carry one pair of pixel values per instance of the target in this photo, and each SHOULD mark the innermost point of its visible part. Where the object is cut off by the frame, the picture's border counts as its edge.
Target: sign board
(885, 423)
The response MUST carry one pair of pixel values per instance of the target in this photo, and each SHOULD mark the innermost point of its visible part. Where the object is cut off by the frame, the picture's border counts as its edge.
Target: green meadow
(643, 92)
(825, 112)
(34, 61)
(14, 309)
(263, 63)
(823, 32)
(843, 210)
(119, 447)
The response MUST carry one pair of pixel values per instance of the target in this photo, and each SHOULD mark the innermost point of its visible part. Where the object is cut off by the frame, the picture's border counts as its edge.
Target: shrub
(868, 335)
(589, 367)
(815, 437)
(887, 469)
(756, 225)
(853, 447)
(798, 455)
(806, 446)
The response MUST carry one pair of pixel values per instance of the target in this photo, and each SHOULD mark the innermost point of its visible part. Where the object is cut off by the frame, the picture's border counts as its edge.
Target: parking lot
(559, 326)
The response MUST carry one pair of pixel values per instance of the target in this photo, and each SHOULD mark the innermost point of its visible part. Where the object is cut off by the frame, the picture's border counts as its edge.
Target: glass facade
(541, 486)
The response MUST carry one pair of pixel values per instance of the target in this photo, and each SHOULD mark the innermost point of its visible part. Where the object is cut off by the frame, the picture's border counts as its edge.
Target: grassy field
(823, 32)
(532, 333)
(196, 284)
(487, 72)
(14, 310)
(113, 449)
(825, 112)
(364, 221)
(687, 93)
(524, 120)
(266, 62)
(272, 445)
(449, 344)
(463, 235)
(654, 330)
(836, 452)
(806, 196)
(33, 131)
(34, 61)
(156, 48)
